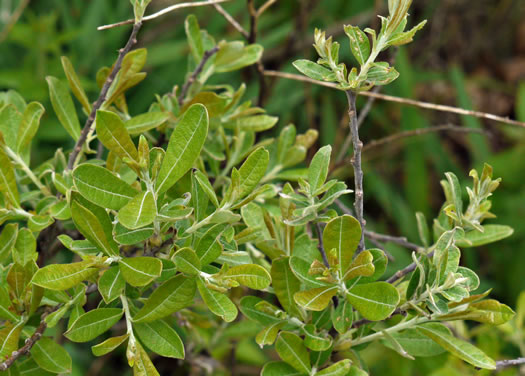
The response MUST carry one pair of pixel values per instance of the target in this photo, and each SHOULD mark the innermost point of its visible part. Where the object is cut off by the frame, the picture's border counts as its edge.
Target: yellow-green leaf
(64, 107)
(93, 323)
(250, 275)
(375, 301)
(64, 276)
(140, 271)
(139, 212)
(112, 132)
(315, 299)
(342, 234)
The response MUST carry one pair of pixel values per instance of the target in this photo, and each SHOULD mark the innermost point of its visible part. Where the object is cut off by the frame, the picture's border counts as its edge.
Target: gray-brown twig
(356, 163)
(405, 101)
(500, 364)
(102, 97)
(205, 57)
(231, 20)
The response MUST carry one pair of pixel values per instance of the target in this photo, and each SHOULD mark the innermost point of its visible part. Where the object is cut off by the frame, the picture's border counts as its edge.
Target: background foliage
(464, 57)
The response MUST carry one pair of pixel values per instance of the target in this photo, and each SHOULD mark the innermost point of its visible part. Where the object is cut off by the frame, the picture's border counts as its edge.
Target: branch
(102, 97)
(500, 364)
(321, 245)
(205, 57)
(356, 163)
(29, 343)
(163, 12)
(410, 102)
(231, 20)
(403, 272)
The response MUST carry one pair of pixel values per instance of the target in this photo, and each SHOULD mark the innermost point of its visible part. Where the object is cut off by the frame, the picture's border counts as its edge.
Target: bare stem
(405, 101)
(321, 245)
(231, 20)
(356, 163)
(205, 57)
(102, 97)
(500, 364)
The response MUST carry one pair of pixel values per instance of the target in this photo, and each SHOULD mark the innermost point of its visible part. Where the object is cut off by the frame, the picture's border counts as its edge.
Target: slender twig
(205, 57)
(265, 6)
(231, 20)
(403, 272)
(13, 19)
(356, 163)
(252, 38)
(29, 343)
(102, 97)
(321, 245)
(405, 101)
(163, 12)
(500, 364)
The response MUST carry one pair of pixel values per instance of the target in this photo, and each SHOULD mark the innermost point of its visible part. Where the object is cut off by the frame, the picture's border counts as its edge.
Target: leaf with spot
(139, 212)
(140, 271)
(342, 317)
(173, 295)
(359, 43)
(291, 349)
(184, 147)
(102, 187)
(93, 323)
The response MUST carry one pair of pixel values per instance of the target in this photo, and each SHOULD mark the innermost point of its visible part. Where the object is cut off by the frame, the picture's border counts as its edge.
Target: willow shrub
(186, 210)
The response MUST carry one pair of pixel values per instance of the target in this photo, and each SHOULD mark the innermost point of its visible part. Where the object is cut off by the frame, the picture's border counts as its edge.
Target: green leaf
(318, 170)
(173, 295)
(102, 187)
(417, 344)
(257, 123)
(6, 307)
(29, 125)
(291, 349)
(7, 240)
(74, 84)
(160, 338)
(187, 261)
(111, 284)
(142, 365)
(316, 299)
(268, 335)
(314, 70)
(490, 234)
(8, 180)
(382, 74)
(93, 323)
(64, 106)
(285, 284)
(253, 170)
(342, 234)
(25, 247)
(90, 226)
(145, 122)
(139, 212)
(140, 271)
(455, 190)
(459, 348)
(108, 345)
(248, 306)
(340, 368)
(362, 266)
(209, 246)
(9, 337)
(279, 369)
(234, 55)
(218, 303)
(488, 311)
(193, 33)
(112, 132)
(250, 275)
(205, 185)
(10, 119)
(359, 43)
(50, 356)
(316, 341)
(130, 237)
(342, 317)
(63, 276)
(184, 147)
(375, 301)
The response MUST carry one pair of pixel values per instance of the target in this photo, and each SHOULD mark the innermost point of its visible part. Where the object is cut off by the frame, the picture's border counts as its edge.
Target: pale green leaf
(29, 125)
(250, 275)
(490, 234)
(146, 122)
(314, 70)
(268, 335)
(361, 266)
(108, 345)
(316, 341)
(218, 303)
(7, 240)
(130, 237)
(205, 185)
(209, 246)
(234, 55)
(112, 132)
(8, 180)
(160, 338)
(142, 365)
(63, 276)
(315, 299)
(249, 308)
(187, 261)
(140, 271)
(359, 43)
(93, 323)
(340, 368)
(279, 369)
(173, 295)
(375, 301)
(139, 212)
(417, 344)
(193, 33)
(9, 336)
(342, 234)
(285, 284)
(50, 356)
(25, 247)
(318, 170)
(64, 107)
(252, 171)
(111, 284)
(75, 85)
(291, 349)
(184, 147)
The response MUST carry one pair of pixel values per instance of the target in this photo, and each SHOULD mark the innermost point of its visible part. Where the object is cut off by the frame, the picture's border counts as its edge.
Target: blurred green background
(470, 55)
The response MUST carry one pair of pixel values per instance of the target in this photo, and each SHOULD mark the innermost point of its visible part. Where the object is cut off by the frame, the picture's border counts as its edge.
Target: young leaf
(108, 345)
(187, 261)
(340, 368)
(173, 295)
(342, 234)
(74, 84)
(359, 43)
(375, 301)
(140, 271)
(111, 284)
(90, 226)
(318, 170)
(93, 323)
(50, 356)
(100, 186)
(63, 276)
(316, 299)
(314, 70)
(145, 122)
(362, 266)
(291, 349)
(253, 170)
(160, 338)
(112, 132)
(64, 106)
(316, 341)
(139, 212)
(184, 147)
(250, 275)
(285, 284)
(268, 335)
(218, 303)
(459, 348)
(490, 234)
